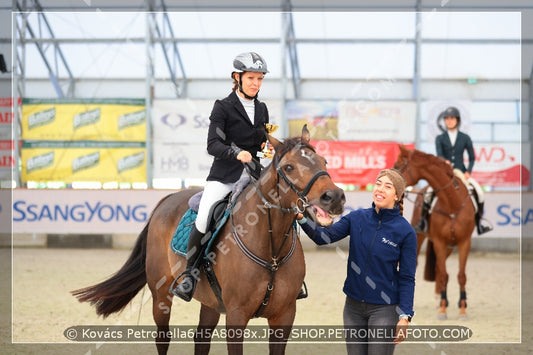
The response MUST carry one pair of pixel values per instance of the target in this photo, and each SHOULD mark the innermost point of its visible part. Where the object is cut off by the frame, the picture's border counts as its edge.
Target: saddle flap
(216, 213)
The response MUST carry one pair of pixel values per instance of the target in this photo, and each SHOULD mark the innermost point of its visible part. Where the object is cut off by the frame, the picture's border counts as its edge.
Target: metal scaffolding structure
(160, 32)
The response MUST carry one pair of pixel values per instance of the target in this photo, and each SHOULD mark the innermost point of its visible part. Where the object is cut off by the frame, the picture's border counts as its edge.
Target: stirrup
(481, 229)
(185, 289)
(303, 292)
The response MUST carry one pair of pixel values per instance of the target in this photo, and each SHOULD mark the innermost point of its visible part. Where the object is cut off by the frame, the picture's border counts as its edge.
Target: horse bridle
(302, 196)
(276, 262)
(404, 170)
(302, 202)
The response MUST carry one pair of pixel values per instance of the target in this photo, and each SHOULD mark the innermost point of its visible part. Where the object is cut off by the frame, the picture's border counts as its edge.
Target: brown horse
(450, 224)
(258, 260)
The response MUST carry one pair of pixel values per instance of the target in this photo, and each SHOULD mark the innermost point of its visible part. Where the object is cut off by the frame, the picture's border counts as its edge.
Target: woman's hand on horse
(244, 156)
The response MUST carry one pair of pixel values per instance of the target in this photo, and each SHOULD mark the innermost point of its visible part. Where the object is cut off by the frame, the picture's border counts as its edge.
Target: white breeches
(213, 191)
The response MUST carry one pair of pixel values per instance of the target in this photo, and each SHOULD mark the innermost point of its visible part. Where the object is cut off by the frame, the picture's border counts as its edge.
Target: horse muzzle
(329, 205)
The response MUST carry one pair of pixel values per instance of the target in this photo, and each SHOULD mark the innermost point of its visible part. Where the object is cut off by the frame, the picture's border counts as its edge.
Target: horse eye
(288, 168)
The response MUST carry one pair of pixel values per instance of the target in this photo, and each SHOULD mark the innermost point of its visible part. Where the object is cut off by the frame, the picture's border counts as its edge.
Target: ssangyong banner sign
(83, 211)
(127, 211)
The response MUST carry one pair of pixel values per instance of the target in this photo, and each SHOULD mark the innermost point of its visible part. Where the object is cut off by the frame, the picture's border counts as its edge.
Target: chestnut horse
(258, 261)
(450, 224)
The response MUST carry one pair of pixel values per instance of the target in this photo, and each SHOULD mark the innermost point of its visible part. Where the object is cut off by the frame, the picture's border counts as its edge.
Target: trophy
(266, 153)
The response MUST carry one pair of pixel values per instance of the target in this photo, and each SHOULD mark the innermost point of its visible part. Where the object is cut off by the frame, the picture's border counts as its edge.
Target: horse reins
(275, 262)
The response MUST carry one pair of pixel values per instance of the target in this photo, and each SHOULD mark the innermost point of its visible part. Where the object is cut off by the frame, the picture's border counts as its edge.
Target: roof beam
(290, 42)
(179, 86)
(53, 74)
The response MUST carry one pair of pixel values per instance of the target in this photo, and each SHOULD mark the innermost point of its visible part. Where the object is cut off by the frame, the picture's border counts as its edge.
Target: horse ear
(275, 143)
(306, 136)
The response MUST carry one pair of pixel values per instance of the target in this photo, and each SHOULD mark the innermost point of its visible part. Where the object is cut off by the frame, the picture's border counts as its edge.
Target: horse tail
(431, 262)
(113, 294)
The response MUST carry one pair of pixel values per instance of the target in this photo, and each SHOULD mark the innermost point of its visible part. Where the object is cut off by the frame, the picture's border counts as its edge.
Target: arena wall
(113, 218)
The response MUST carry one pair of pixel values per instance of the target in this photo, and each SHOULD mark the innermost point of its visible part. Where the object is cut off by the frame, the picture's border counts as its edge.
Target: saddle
(218, 214)
(474, 189)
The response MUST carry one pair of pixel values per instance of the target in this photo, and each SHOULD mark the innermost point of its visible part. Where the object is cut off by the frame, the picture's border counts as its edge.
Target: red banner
(501, 164)
(357, 163)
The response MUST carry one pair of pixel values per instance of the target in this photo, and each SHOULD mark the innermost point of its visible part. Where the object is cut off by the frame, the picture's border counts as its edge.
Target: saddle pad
(181, 235)
(179, 241)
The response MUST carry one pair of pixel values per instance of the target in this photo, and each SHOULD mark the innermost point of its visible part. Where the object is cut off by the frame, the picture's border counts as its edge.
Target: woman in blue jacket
(381, 267)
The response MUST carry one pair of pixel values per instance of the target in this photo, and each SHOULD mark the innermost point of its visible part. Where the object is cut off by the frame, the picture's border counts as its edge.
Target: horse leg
(464, 250)
(208, 321)
(236, 322)
(161, 306)
(441, 280)
(280, 330)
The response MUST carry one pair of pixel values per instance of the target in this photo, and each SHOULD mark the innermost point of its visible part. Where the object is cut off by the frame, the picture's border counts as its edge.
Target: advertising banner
(181, 160)
(377, 121)
(83, 161)
(6, 117)
(502, 211)
(6, 160)
(432, 109)
(357, 163)
(500, 165)
(6, 143)
(181, 121)
(321, 118)
(69, 211)
(180, 130)
(5, 211)
(71, 120)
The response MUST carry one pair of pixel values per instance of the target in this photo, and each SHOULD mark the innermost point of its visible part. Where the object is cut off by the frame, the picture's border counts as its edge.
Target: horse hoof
(442, 316)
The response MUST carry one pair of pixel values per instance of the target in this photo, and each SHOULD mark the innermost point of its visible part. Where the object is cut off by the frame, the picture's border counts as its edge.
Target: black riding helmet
(450, 111)
(248, 61)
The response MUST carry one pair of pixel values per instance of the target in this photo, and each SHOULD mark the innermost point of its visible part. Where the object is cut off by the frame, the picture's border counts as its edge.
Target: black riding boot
(421, 227)
(479, 215)
(185, 289)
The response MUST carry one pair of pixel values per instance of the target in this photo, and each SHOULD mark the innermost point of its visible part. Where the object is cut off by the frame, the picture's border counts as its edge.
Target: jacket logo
(386, 241)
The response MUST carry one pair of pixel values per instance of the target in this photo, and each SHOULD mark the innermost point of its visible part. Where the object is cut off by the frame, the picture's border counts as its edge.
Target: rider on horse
(236, 135)
(450, 145)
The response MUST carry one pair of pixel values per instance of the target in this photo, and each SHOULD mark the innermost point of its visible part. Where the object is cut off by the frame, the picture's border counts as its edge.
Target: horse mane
(291, 143)
(435, 161)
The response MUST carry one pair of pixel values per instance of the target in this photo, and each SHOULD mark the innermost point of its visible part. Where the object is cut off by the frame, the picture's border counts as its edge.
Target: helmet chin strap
(242, 91)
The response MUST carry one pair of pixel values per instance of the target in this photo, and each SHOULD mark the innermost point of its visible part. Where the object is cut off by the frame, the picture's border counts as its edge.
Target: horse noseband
(303, 194)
